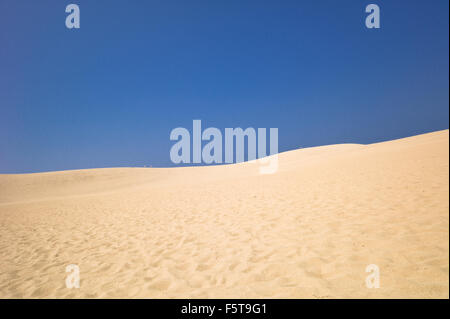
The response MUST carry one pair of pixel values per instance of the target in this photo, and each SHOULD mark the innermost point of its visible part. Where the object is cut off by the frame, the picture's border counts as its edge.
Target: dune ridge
(308, 231)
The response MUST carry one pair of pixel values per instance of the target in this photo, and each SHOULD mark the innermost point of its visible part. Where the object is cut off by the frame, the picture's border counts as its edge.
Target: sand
(307, 231)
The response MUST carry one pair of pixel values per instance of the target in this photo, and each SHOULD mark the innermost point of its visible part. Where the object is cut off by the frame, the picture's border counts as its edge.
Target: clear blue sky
(109, 94)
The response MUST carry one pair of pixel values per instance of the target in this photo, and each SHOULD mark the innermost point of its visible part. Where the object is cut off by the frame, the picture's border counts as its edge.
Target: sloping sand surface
(308, 231)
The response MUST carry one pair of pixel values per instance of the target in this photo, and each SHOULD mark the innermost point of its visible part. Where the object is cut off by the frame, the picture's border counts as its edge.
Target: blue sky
(109, 93)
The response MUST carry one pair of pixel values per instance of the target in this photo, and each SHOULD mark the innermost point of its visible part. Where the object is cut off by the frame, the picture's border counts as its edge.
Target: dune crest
(308, 231)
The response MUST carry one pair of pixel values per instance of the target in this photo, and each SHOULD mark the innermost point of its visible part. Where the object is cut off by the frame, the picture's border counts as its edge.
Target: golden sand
(307, 231)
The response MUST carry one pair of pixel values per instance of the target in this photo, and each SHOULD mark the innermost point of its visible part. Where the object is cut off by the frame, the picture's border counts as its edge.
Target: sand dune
(308, 231)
